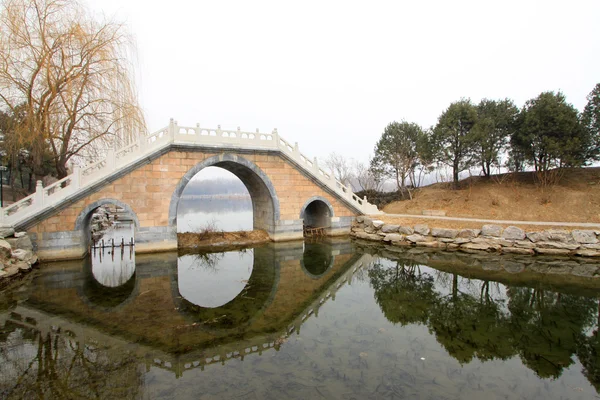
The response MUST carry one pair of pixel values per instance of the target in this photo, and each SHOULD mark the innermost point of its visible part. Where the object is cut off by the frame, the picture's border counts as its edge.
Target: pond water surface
(296, 320)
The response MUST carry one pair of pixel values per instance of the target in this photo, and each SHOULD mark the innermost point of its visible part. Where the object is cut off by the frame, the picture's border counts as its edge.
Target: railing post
(172, 127)
(316, 166)
(111, 160)
(142, 142)
(39, 194)
(76, 177)
(276, 138)
(296, 149)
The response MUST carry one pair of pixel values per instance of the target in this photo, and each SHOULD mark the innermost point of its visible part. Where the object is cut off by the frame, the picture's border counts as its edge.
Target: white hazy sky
(331, 75)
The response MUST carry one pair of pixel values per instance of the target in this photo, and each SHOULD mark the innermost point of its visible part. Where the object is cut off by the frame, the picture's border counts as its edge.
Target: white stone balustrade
(84, 177)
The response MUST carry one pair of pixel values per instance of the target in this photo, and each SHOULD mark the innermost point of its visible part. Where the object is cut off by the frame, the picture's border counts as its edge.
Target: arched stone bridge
(148, 177)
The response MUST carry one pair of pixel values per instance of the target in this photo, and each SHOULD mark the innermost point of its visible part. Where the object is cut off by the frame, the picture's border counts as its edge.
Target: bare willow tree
(73, 78)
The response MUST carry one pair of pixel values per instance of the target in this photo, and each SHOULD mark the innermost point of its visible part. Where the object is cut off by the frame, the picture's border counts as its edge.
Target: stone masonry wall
(585, 243)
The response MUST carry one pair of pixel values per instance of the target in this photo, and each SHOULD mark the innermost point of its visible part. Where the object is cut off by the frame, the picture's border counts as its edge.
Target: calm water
(298, 320)
(225, 214)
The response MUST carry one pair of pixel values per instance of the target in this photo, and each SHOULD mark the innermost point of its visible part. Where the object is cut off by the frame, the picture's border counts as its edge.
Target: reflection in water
(214, 279)
(397, 329)
(113, 266)
(317, 259)
(227, 214)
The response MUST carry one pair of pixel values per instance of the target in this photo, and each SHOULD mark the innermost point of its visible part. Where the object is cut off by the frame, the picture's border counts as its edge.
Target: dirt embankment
(193, 240)
(575, 198)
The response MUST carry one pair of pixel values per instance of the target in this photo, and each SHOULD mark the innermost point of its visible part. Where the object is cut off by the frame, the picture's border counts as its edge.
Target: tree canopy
(69, 78)
(549, 133)
(454, 138)
(397, 152)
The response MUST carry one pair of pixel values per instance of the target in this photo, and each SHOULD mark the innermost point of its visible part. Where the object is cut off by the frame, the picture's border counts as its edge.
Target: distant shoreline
(216, 196)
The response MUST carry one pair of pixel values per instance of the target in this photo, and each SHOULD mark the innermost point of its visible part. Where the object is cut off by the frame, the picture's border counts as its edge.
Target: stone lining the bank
(513, 240)
(16, 253)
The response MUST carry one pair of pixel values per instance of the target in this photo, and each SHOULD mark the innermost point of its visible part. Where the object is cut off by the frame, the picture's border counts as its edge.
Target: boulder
(538, 236)
(377, 224)
(513, 233)
(491, 230)
(444, 233)
(5, 249)
(421, 229)
(461, 240)
(552, 252)
(360, 219)
(557, 245)
(23, 242)
(559, 235)
(588, 253)
(526, 244)
(431, 244)
(389, 228)
(475, 246)
(591, 246)
(20, 234)
(416, 238)
(584, 236)
(368, 236)
(23, 265)
(6, 231)
(518, 250)
(393, 237)
(22, 255)
(406, 230)
(468, 233)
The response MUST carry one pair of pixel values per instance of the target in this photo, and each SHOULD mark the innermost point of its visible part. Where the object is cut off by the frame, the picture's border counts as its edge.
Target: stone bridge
(147, 178)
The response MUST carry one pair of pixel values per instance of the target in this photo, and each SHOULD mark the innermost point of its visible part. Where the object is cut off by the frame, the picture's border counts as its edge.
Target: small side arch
(317, 211)
(82, 223)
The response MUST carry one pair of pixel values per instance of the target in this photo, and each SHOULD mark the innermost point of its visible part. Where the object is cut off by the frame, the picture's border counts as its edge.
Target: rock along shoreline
(490, 238)
(16, 254)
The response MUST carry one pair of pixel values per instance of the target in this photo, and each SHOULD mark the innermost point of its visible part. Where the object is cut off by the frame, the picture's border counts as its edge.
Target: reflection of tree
(588, 352)
(404, 294)
(548, 327)
(544, 328)
(207, 261)
(56, 365)
(469, 326)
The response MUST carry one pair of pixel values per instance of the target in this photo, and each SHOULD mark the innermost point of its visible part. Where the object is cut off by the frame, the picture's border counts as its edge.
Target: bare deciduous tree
(368, 179)
(340, 167)
(73, 77)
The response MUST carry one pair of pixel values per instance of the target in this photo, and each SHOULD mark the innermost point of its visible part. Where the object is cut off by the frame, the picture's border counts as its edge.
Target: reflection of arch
(242, 310)
(265, 204)
(317, 212)
(317, 259)
(82, 223)
(96, 295)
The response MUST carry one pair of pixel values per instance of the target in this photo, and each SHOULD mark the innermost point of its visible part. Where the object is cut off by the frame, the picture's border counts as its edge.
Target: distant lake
(228, 212)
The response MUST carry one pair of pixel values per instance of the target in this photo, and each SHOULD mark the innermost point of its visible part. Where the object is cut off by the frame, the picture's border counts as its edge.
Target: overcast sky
(331, 75)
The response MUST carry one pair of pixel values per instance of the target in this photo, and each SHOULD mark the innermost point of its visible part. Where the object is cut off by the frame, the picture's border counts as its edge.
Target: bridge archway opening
(215, 199)
(108, 228)
(265, 204)
(316, 213)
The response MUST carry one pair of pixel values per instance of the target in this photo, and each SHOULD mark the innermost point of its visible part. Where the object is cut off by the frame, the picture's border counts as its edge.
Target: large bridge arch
(265, 203)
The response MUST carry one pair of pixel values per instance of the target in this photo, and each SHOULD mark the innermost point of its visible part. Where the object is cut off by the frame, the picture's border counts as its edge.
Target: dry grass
(576, 198)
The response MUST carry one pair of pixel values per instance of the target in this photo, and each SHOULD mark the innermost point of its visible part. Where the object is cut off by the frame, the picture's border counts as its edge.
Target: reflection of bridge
(148, 177)
(281, 317)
